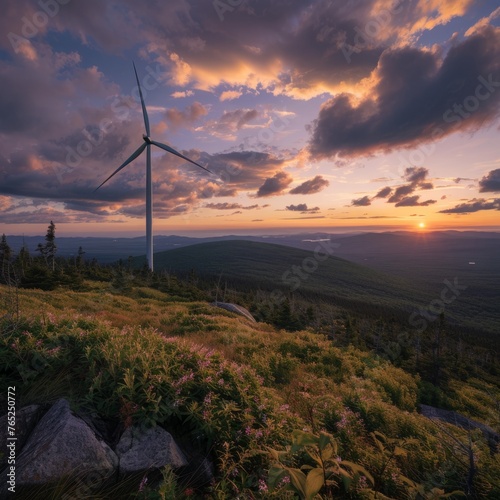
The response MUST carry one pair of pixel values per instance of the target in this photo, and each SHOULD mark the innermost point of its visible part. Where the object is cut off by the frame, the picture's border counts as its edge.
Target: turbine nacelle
(147, 139)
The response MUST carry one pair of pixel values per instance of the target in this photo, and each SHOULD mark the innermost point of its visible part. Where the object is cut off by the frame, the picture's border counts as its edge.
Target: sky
(312, 115)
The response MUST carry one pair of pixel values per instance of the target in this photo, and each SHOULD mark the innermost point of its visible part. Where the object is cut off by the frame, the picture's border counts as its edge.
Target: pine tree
(79, 257)
(23, 259)
(50, 246)
(5, 257)
(5, 250)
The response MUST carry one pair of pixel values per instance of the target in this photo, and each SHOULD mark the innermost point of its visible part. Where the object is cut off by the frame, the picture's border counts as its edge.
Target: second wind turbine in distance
(148, 142)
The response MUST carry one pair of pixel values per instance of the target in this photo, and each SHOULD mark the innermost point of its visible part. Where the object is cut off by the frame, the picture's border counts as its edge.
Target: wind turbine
(146, 145)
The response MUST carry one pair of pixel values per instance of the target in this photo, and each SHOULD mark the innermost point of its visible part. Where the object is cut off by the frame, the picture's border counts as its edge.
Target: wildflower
(143, 483)
(262, 485)
(284, 480)
(221, 382)
(189, 492)
(362, 483)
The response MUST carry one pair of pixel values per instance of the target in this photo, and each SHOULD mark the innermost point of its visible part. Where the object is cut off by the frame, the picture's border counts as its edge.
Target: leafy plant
(308, 480)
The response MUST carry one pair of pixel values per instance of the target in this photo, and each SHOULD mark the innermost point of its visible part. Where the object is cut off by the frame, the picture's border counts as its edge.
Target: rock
(200, 470)
(26, 419)
(143, 449)
(454, 418)
(61, 446)
(235, 309)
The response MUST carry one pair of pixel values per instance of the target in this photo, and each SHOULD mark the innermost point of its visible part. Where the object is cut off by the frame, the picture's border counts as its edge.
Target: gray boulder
(454, 418)
(235, 309)
(26, 419)
(141, 449)
(61, 446)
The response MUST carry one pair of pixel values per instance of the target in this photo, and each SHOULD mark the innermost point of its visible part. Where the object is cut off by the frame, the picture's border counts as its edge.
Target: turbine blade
(176, 153)
(132, 157)
(144, 112)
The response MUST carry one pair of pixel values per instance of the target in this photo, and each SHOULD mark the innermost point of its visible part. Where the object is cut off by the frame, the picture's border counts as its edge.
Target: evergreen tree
(5, 257)
(5, 250)
(50, 246)
(23, 259)
(43, 252)
(79, 257)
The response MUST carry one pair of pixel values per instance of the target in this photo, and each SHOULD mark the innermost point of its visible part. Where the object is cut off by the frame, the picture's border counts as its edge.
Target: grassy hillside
(239, 390)
(270, 266)
(275, 266)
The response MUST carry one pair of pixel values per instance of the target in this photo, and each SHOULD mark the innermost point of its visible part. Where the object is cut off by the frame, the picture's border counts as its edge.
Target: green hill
(276, 266)
(270, 267)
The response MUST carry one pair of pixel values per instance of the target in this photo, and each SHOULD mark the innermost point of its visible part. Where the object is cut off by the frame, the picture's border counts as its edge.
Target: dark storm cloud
(311, 186)
(274, 185)
(474, 205)
(418, 98)
(490, 182)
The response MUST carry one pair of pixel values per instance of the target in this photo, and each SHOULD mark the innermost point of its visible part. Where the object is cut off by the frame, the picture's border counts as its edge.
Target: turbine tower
(146, 145)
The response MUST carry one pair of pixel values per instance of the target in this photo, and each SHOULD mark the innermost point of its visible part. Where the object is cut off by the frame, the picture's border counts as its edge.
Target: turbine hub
(146, 138)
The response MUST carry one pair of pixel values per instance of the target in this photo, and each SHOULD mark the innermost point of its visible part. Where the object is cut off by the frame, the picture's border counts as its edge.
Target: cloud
(381, 179)
(417, 178)
(274, 185)
(412, 201)
(230, 123)
(384, 192)
(415, 175)
(283, 47)
(483, 22)
(308, 217)
(474, 205)
(369, 217)
(229, 206)
(177, 118)
(311, 186)
(361, 202)
(229, 95)
(490, 182)
(401, 192)
(418, 96)
(243, 170)
(182, 93)
(301, 207)
(458, 180)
